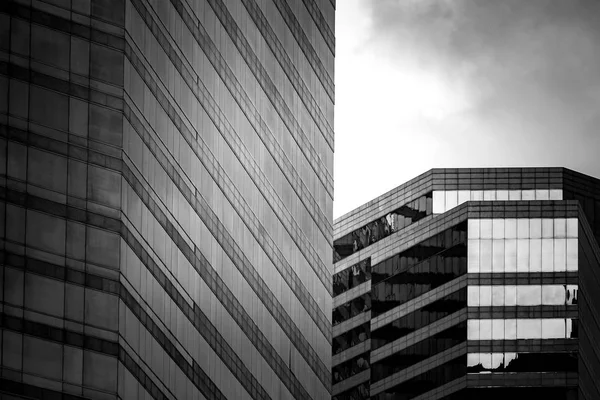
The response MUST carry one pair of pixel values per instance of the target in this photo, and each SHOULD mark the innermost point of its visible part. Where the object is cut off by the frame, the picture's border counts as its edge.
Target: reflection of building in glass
(166, 199)
(487, 289)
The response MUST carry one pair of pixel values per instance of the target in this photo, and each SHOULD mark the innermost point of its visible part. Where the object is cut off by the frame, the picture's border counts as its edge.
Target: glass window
(109, 10)
(42, 357)
(502, 195)
(473, 255)
(553, 295)
(497, 329)
(560, 228)
(80, 56)
(572, 227)
(477, 195)
(510, 295)
(571, 294)
(547, 255)
(547, 228)
(497, 295)
(106, 64)
(4, 31)
(560, 255)
(47, 170)
(485, 296)
(78, 117)
(49, 108)
(514, 195)
(99, 371)
(542, 194)
(44, 295)
(46, 232)
(96, 306)
(19, 36)
(19, 98)
(463, 196)
(485, 329)
(535, 228)
(485, 259)
(106, 125)
(4, 84)
(553, 328)
(439, 202)
(528, 195)
(102, 247)
(77, 179)
(50, 46)
(510, 258)
(556, 194)
(498, 255)
(572, 257)
(104, 186)
(485, 228)
(473, 329)
(73, 365)
(529, 295)
(510, 228)
(529, 328)
(498, 228)
(522, 228)
(451, 199)
(15, 219)
(489, 195)
(473, 228)
(535, 255)
(510, 329)
(473, 296)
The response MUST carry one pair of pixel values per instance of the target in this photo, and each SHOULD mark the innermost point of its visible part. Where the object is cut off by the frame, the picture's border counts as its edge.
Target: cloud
(463, 83)
(512, 55)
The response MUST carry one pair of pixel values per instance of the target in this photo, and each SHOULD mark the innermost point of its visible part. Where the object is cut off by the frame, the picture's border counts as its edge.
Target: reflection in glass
(352, 277)
(521, 295)
(350, 368)
(533, 328)
(382, 227)
(351, 338)
(497, 255)
(485, 256)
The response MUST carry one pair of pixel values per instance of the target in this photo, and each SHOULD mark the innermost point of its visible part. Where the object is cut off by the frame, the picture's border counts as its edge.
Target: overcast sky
(456, 83)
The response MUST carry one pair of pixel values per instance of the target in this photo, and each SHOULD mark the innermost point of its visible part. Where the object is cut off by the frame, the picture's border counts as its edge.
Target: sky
(424, 84)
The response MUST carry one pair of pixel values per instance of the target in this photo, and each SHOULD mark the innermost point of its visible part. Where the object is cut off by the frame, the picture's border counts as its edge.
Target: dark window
(360, 392)
(50, 46)
(427, 381)
(351, 338)
(418, 319)
(106, 64)
(352, 277)
(49, 108)
(522, 362)
(420, 351)
(382, 227)
(350, 368)
(352, 308)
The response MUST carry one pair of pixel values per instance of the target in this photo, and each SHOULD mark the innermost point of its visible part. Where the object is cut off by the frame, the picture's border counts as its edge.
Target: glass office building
(166, 199)
(470, 284)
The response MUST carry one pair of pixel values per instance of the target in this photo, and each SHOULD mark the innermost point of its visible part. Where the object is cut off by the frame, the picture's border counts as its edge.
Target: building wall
(423, 311)
(168, 198)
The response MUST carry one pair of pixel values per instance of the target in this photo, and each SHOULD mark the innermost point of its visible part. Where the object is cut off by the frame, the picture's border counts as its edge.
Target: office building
(470, 284)
(166, 198)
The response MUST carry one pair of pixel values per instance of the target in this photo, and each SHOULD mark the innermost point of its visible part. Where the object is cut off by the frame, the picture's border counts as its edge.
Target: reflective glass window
(350, 368)
(498, 255)
(510, 228)
(419, 351)
(351, 338)
(547, 255)
(49, 108)
(572, 251)
(510, 256)
(50, 46)
(473, 255)
(382, 227)
(352, 277)
(501, 195)
(419, 318)
(535, 255)
(352, 308)
(526, 328)
(555, 194)
(485, 255)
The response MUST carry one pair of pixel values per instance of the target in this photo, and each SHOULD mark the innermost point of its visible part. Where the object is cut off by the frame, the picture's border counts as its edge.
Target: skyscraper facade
(470, 284)
(166, 198)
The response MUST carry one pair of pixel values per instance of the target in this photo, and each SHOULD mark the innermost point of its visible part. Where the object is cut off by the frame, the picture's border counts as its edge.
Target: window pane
(473, 255)
(502, 195)
(529, 328)
(439, 200)
(547, 228)
(49, 108)
(514, 195)
(553, 328)
(535, 255)
(473, 296)
(485, 257)
(523, 228)
(106, 64)
(106, 125)
(47, 170)
(451, 199)
(542, 194)
(473, 228)
(80, 56)
(529, 295)
(50, 46)
(485, 228)
(560, 255)
(572, 257)
(485, 296)
(553, 294)
(572, 227)
(44, 295)
(510, 228)
(510, 295)
(498, 255)
(42, 357)
(46, 232)
(477, 195)
(547, 255)
(463, 196)
(498, 228)
(497, 295)
(510, 259)
(555, 194)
